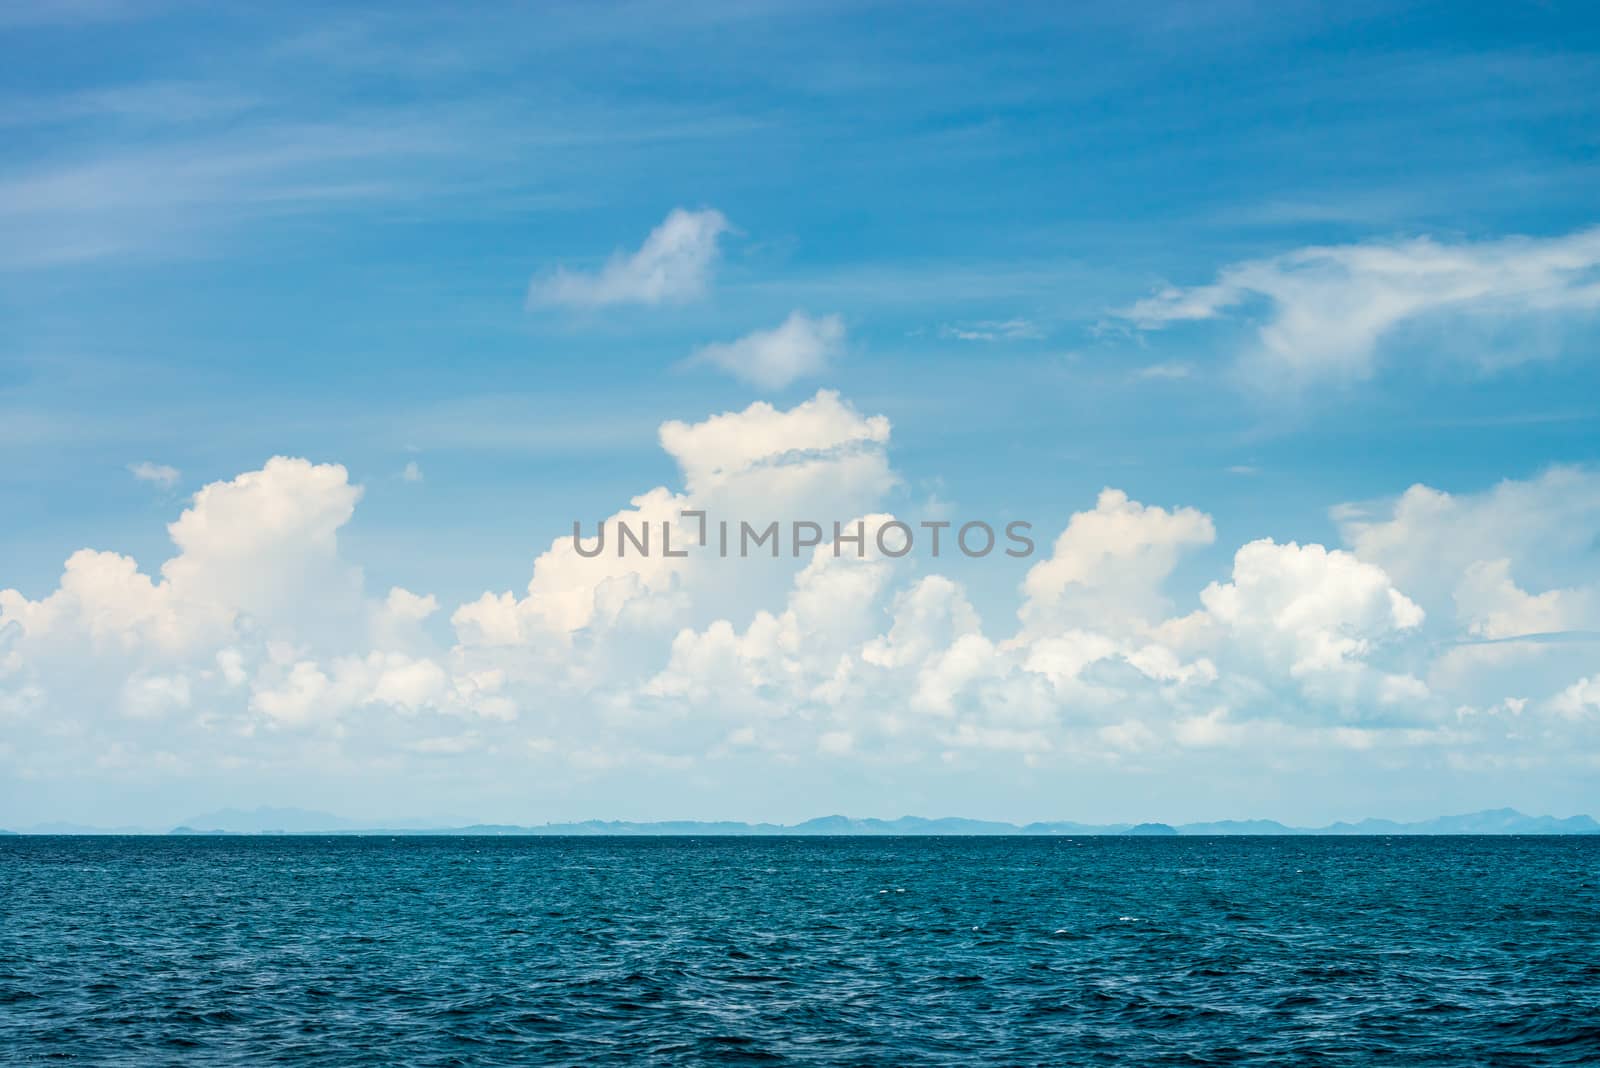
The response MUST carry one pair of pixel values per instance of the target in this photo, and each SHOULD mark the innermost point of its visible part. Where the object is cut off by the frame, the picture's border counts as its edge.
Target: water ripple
(450, 951)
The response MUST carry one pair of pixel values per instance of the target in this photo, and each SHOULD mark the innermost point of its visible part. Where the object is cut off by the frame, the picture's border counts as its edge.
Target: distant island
(301, 821)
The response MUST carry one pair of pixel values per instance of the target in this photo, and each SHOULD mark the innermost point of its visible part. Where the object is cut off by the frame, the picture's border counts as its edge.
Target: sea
(832, 951)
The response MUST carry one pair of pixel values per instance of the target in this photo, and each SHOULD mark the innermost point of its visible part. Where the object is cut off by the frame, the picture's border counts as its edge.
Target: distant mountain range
(302, 821)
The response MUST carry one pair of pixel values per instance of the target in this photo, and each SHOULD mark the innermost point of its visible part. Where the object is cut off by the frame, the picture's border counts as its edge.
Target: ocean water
(1036, 951)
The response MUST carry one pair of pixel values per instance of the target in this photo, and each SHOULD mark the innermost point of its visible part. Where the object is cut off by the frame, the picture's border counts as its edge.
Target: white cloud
(1108, 565)
(264, 547)
(1493, 606)
(153, 696)
(405, 606)
(159, 474)
(1428, 539)
(295, 698)
(1330, 309)
(1509, 576)
(260, 548)
(931, 615)
(309, 693)
(674, 264)
(799, 347)
(446, 745)
(785, 659)
(819, 458)
(810, 437)
(1169, 371)
(992, 330)
(411, 472)
(835, 743)
(258, 646)
(1315, 616)
(1581, 700)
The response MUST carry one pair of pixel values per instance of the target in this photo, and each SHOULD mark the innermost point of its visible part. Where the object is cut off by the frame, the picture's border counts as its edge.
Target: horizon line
(290, 822)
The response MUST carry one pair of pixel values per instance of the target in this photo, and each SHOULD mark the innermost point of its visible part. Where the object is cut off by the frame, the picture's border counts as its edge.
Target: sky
(320, 326)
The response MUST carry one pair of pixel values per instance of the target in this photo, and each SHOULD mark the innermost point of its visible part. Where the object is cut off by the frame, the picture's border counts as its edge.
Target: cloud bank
(257, 644)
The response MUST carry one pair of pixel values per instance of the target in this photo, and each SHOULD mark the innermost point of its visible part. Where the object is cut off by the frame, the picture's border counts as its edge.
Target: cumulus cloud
(799, 347)
(1495, 608)
(674, 264)
(256, 610)
(783, 658)
(1328, 310)
(1581, 700)
(782, 445)
(1314, 616)
(306, 691)
(258, 645)
(1509, 575)
(161, 475)
(256, 549)
(1108, 565)
(762, 463)
(1430, 539)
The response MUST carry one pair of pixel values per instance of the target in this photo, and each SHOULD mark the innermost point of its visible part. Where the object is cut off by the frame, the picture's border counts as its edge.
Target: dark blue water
(446, 951)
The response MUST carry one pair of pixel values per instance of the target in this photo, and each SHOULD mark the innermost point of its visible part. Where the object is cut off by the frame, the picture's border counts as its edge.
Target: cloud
(257, 645)
(446, 745)
(1169, 371)
(153, 696)
(799, 347)
(992, 330)
(1329, 310)
(411, 472)
(1494, 607)
(820, 457)
(155, 196)
(1108, 565)
(307, 692)
(159, 474)
(1581, 700)
(259, 548)
(674, 264)
(1458, 553)
(1314, 616)
(1508, 576)
(792, 445)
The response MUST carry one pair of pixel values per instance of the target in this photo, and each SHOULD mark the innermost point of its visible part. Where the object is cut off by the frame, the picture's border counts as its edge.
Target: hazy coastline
(304, 822)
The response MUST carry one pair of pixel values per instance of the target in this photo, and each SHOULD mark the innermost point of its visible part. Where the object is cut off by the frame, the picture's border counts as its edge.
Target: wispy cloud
(157, 170)
(133, 196)
(1330, 308)
(799, 347)
(162, 475)
(1165, 371)
(156, 103)
(674, 264)
(992, 330)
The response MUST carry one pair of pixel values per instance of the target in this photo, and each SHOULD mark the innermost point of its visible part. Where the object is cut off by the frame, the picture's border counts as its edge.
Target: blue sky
(1257, 261)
